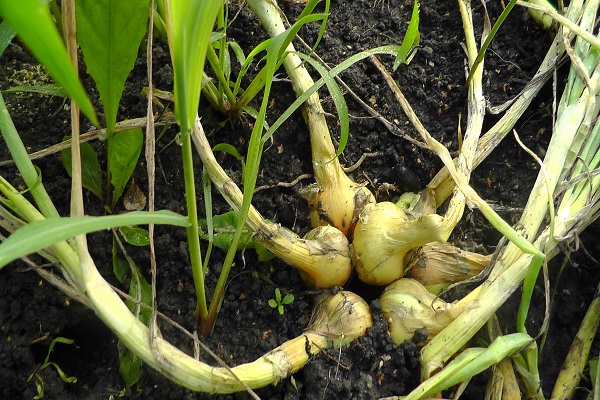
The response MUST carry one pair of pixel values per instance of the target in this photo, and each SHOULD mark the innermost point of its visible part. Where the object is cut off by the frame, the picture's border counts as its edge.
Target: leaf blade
(44, 233)
(102, 26)
(33, 23)
(125, 150)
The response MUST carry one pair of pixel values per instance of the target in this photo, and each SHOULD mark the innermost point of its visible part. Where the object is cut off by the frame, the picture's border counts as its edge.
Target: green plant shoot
(278, 302)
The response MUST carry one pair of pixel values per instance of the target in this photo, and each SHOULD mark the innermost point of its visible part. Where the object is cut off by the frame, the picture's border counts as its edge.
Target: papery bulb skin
(322, 257)
(384, 235)
(439, 265)
(338, 206)
(409, 307)
(344, 315)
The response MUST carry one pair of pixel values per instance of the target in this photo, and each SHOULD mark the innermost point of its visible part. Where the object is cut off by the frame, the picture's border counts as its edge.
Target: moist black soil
(33, 313)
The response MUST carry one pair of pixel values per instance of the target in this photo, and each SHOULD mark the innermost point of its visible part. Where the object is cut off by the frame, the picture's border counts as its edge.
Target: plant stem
(192, 230)
(332, 267)
(215, 63)
(30, 174)
(341, 199)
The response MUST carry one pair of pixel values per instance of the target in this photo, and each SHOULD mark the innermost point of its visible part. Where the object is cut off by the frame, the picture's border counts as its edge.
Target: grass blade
(38, 235)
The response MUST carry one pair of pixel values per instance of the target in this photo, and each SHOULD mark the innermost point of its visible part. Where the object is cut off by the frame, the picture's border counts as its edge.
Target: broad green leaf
(130, 366)
(91, 173)
(38, 235)
(140, 290)
(135, 236)
(191, 26)
(229, 149)
(32, 21)
(224, 229)
(125, 149)
(288, 299)
(109, 34)
(50, 90)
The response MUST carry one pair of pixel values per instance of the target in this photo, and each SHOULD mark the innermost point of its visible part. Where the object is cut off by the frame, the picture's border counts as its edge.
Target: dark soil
(33, 313)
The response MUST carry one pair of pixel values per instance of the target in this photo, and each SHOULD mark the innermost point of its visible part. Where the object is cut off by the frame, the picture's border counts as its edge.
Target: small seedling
(278, 302)
(39, 383)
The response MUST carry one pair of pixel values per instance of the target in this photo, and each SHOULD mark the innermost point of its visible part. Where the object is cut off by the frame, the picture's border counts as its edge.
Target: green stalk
(31, 175)
(192, 230)
(217, 68)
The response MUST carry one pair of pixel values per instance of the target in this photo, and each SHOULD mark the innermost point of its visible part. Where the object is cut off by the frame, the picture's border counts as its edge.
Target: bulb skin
(384, 234)
(409, 307)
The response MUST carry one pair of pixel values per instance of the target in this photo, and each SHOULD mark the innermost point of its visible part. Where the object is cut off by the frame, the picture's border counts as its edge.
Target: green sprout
(278, 302)
(39, 383)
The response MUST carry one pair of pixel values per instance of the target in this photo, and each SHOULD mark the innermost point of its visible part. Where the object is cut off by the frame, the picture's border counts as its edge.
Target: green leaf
(47, 363)
(135, 236)
(91, 173)
(288, 299)
(411, 38)
(125, 148)
(489, 38)
(38, 235)
(63, 376)
(390, 49)
(224, 229)
(140, 290)
(120, 267)
(51, 89)
(191, 26)
(130, 366)
(6, 36)
(59, 339)
(273, 303)
(594, 369)
(109, 34)
(32, 21)
(229, 149)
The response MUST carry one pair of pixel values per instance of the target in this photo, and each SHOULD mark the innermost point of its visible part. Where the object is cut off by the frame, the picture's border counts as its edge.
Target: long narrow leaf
(338, 100)
(191, 25)
(391, 49)
(33, 23)
(41, 234)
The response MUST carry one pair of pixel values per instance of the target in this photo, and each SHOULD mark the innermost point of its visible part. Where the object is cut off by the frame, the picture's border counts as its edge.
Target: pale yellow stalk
(323, 257)
(336, 200)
